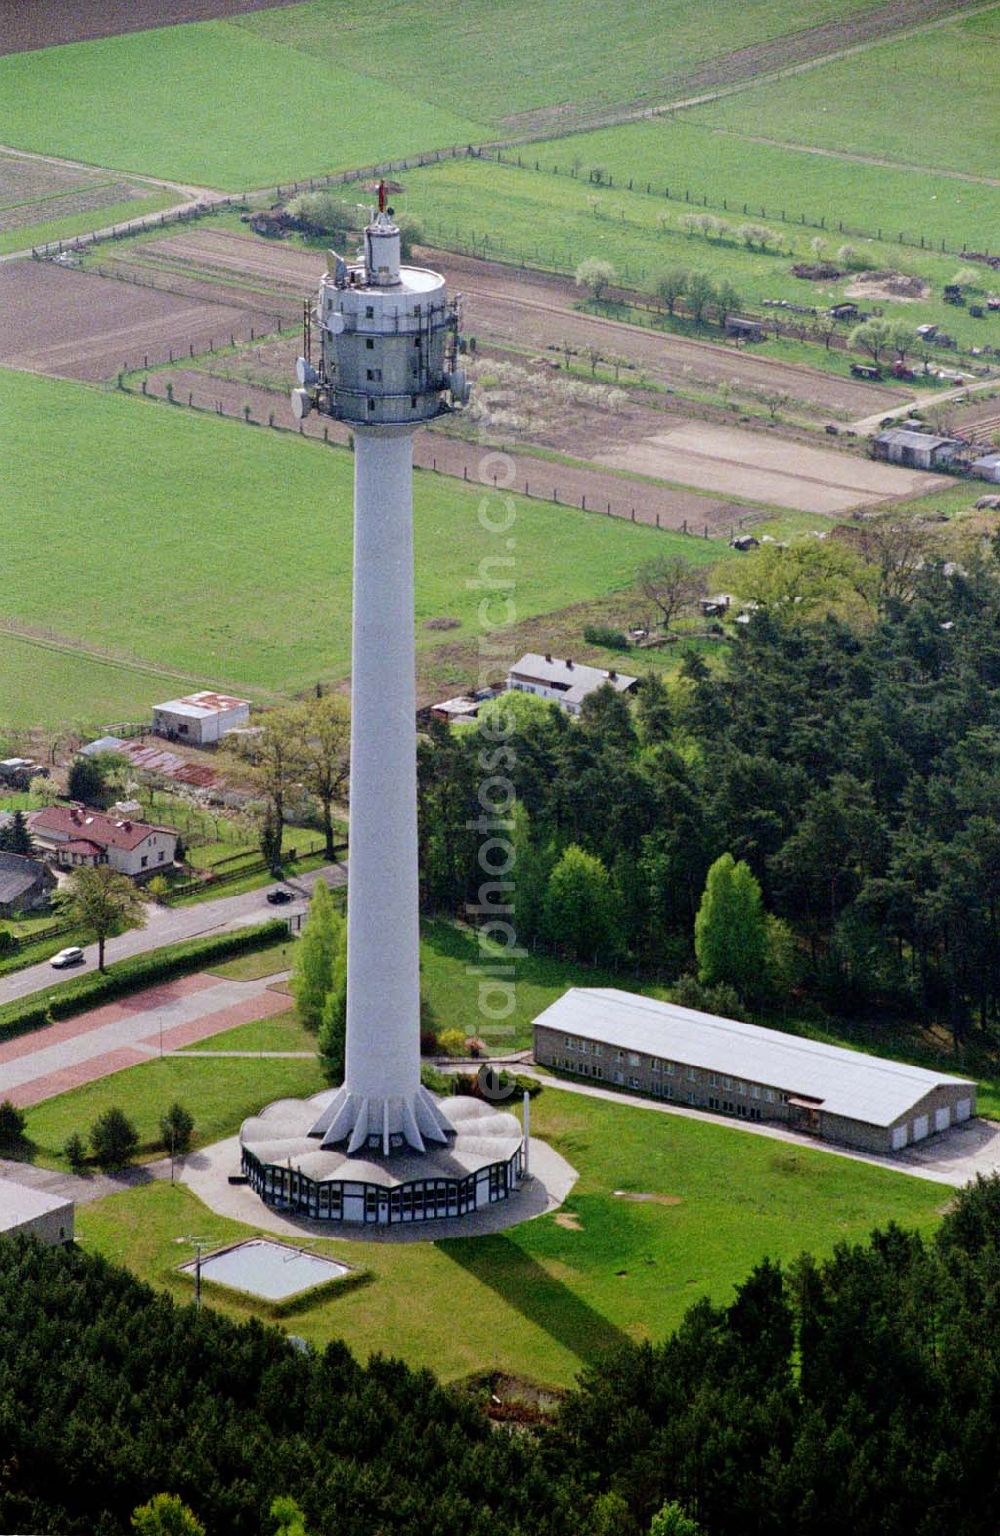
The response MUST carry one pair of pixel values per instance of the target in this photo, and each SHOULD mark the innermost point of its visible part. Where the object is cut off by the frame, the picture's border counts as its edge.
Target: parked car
(279, 896)
(71, 956)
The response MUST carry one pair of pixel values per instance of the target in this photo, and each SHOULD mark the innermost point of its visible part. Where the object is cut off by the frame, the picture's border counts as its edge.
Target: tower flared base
(395, 1123)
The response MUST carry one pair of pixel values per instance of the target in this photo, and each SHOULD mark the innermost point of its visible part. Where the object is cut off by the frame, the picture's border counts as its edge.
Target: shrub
(451, 1042)
(12, 1124)
(603, 634)
(8, 943)
(75, 1151)
(176, 1128)
(429, 1044)
(114, 1139)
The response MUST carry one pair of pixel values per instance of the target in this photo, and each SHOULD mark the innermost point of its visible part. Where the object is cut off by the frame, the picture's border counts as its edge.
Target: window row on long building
(730, 1067)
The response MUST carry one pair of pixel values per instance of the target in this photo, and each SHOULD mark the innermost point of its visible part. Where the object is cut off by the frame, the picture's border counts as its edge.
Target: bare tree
(896, 552)
(672, 584)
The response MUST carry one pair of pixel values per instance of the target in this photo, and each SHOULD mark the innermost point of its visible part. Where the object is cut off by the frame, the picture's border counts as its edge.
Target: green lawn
(213, 105)
(219, 1093)
(281, 1033)
(523, 215)
(270, 514)
(490, 62)
(544, 1298)
(449, 955)
(688, 154)
(924, 100)
(259, 963)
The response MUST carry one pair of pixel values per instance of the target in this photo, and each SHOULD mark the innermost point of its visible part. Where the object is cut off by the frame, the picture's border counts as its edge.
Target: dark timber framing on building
(706, 1062)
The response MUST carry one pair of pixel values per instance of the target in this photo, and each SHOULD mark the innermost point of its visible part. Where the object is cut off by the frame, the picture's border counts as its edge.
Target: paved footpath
(124, 1033)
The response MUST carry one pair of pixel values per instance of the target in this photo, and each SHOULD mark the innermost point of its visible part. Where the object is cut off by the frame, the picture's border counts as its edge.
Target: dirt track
(29, 24)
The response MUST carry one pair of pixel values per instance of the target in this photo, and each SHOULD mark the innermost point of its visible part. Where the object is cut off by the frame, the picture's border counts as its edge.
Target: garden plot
(80, 325)
(767, 469)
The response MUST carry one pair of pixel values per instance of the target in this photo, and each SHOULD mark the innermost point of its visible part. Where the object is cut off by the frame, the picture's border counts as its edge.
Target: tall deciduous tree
(324, 727)
(312, 969)
(672, 584)
(580, 912)
(105, 903)
(730, 930)
(270, 761)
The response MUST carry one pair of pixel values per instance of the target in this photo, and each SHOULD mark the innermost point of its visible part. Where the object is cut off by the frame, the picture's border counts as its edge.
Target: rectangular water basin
(273, 1271)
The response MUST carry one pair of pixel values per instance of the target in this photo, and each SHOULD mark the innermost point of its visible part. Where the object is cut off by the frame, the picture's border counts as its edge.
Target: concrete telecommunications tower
(381, 1147)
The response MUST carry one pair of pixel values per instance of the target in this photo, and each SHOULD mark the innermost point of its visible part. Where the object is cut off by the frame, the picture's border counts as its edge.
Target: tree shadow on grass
(522, 1283)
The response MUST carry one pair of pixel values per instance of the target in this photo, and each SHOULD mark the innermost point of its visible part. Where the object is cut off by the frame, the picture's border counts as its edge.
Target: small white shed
(200, 718)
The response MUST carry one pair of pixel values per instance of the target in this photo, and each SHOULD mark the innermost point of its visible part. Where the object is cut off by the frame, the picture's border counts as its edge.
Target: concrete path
(124, 1033)
(168, 925)
(954, 1157)
(206, 1174)
(83, 1187)
(868, 424)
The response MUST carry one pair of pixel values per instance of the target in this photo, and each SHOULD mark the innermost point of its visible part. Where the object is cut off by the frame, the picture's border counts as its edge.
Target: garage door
(898, 1138)
(942, 1118)
(963, 1109)
(920, 1126)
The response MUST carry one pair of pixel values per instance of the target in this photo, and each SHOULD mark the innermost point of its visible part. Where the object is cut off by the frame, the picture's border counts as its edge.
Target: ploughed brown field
(29, 24)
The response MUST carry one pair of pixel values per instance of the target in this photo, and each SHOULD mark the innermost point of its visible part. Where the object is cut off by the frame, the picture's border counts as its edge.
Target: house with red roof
(72, 836)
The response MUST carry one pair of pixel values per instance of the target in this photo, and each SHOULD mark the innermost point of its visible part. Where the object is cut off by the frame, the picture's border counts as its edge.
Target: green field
(45, 684)
(544, 1298)
(245, 545)
(927, 100)
(687, 154)
(491, 63)
(212, 105)
(536, 218)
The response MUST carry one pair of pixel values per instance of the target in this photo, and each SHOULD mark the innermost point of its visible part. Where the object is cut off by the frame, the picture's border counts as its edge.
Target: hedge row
(69, 997)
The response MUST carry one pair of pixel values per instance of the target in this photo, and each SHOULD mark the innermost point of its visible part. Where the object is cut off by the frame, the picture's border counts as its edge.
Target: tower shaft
(383, 966)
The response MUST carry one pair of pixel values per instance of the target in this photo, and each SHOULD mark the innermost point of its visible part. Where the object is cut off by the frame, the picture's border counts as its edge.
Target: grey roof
(102, 744)
(17, 875)
(908, 438)
(987, 461)
(20, 1204)
(572, 678)
(849, 1083)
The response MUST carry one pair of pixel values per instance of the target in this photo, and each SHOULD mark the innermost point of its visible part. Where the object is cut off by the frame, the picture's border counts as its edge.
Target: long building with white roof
(740, 1069)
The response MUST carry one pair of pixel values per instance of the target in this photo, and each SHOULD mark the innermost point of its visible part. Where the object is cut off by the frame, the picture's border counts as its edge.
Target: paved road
(168, 925)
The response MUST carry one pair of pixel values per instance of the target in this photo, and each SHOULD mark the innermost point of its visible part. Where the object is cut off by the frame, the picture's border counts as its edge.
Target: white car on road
(71, 956)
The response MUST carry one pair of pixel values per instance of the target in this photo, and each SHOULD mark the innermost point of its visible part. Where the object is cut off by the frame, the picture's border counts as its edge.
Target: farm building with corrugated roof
(734, 1068)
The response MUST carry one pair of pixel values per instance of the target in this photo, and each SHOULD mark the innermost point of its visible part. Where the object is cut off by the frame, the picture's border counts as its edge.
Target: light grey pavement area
(168, 925)
(118, 1027)
(953, 1157)
(83, 1188)
(206, 1174)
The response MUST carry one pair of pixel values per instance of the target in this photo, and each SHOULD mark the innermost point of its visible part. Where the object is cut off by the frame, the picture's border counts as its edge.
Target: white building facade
(563, 682)
(201, 718)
